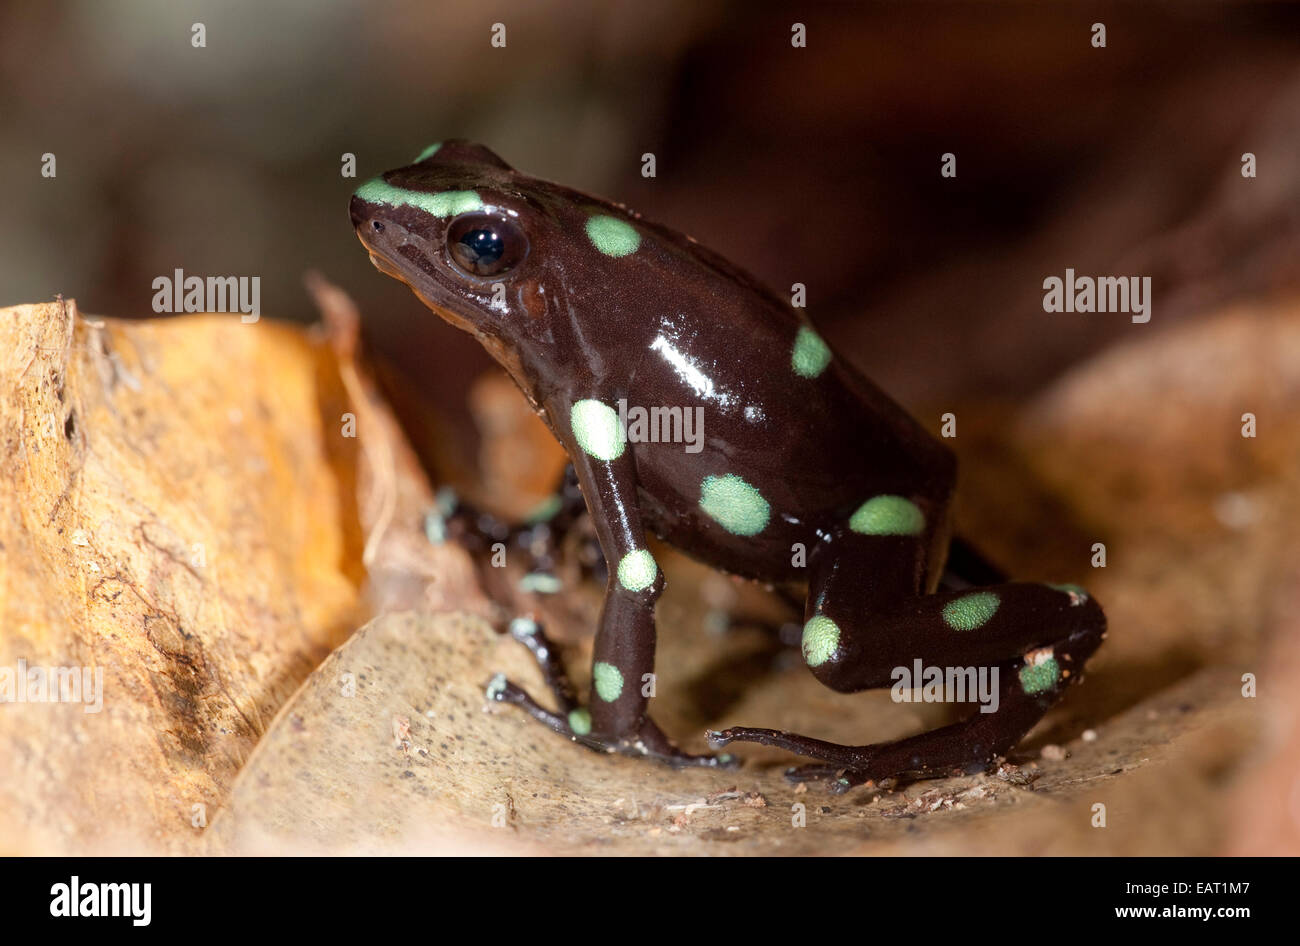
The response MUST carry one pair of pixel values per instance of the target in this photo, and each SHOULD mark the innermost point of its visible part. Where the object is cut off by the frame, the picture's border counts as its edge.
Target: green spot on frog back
(427, 152)
(597, 429)
(612, 236)
(971, 611)
(637, 571)
(734, 504)
(811, 355)
(1037, 677)
(445, 204)
(608, 681)
(888, 515)
(821, 638)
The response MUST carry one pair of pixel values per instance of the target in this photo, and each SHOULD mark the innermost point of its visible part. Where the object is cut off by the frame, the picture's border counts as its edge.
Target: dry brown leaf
(412, 759)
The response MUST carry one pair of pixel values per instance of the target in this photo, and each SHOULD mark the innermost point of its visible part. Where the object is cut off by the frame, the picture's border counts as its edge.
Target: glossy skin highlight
(587, 305)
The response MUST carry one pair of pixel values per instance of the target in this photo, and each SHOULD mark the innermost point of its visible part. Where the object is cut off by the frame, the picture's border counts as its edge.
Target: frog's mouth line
(494, 345)
(384, 263)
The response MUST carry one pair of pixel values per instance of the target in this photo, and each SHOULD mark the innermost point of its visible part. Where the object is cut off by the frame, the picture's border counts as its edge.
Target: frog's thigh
(851, 578)
(867, 614)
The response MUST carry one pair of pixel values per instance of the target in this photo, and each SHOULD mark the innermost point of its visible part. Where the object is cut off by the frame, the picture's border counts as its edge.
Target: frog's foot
(839, 776)
(838, 756)
(573, 721)
(935, 754)
(540, 540)
(530, 633)
(651, 742)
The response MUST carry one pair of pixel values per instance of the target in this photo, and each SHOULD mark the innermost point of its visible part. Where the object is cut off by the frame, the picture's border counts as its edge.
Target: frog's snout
(362, 219)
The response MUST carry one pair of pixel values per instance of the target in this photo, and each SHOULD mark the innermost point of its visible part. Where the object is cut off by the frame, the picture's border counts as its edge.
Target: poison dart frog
(590, 308)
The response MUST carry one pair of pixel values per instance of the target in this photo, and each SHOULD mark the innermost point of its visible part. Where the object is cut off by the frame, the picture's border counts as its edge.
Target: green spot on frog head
(450, 225)
(495, 252)
(612, 236)
(427, 152)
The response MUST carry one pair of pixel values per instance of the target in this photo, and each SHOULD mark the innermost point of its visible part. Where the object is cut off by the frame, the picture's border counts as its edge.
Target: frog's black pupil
(482, 247)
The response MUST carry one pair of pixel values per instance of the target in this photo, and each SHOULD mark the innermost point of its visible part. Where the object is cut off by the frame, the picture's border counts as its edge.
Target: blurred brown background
(817, 165)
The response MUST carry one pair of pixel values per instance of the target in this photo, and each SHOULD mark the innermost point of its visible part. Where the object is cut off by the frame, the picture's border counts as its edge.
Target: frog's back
(793, 437)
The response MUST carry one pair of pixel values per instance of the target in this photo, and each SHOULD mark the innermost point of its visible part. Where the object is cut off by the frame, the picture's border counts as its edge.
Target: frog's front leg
(615, 719)
(868, 618)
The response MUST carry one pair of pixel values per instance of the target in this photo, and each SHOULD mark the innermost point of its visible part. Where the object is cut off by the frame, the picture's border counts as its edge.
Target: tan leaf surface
(388, 744)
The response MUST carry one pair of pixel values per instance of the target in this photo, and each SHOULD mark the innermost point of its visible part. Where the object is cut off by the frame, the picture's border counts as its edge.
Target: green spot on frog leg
(540, 583)
(597, 429)
(1077, 594)
(435, 527)
(888, 515)
(821, 639)
(811, 355)
(612, 236)
(637, 571)
(608, 681)
(546, 510)
(427, 152)
(970, 611)
(496, 686)
(580, 721)
(734, 504)
(523, 627)
(1040, 672)
(446, 204)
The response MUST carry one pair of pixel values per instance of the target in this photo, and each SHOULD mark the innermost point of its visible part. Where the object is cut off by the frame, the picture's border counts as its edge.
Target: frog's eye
(485, 246)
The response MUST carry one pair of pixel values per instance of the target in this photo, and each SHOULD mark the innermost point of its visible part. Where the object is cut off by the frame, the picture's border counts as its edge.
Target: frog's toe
(495, 691)
(812, 773)
(717, 738)
(575, 723)
(722, 760)
(530, 633)
(837, 779)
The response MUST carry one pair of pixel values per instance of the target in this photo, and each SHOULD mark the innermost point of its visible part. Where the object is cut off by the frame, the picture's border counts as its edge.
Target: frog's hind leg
(869, 625)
